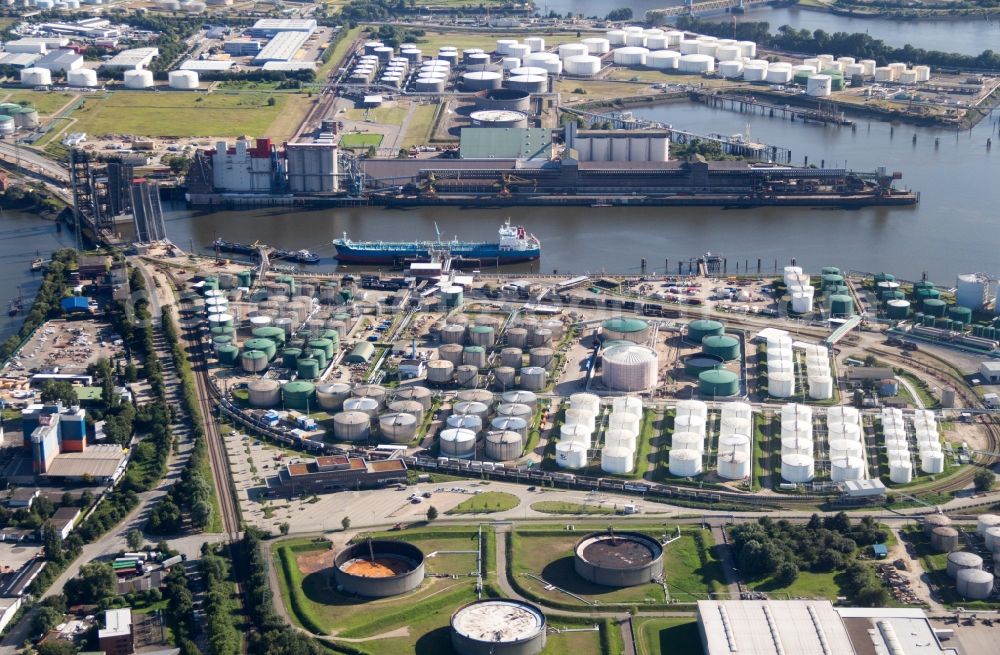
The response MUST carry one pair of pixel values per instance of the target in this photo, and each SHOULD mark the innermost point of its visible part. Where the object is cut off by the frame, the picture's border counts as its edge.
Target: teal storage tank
(928, 320)
(977, 330)
(697, 364)
(626, 329)
(326, 345)
(884, 277)
(718, 383)
(918, 317)
(990, 333)
(723, 345)
(897, 309)
(830, 270)
(229, 355)
(222, 340)
(841, 305)
(935, 307)
(701, 328)
(895, 295)
(832, 280)
(211, 284)
(320, 356)
(299, 395)
(346, 295)
(942, 323)
(220, 330)
(265, 346)
(271, 332)
(960, 314)
(244, 278)
(290, 357)
(927, 292)
(307, 368)
(290, 281)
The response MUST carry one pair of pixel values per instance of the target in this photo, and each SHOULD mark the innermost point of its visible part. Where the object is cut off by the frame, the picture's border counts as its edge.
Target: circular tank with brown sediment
(379, 568)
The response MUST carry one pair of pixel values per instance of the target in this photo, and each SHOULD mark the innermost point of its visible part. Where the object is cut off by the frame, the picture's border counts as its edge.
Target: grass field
(418, 131)
(192, 114)
(46, 102)
(691, 571)
(561, 507)
(807, 585)
(673, 635)
(487, 503)
(338, 53)
(381, 115)
(362, 141)
(315, 604)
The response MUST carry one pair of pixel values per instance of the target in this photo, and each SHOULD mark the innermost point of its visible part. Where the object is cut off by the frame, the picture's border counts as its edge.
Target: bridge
(691, 8)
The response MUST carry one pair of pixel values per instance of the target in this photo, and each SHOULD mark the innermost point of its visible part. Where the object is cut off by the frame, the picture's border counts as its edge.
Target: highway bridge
(691, 8)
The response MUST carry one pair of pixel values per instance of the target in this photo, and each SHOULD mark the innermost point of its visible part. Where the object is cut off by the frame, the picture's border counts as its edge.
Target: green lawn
(489, 502)
(673, 635)
(362, 141)
(418, 132)
(46, 102)
(192, 114)
(807, 585)
(561, 507)
(380, 115)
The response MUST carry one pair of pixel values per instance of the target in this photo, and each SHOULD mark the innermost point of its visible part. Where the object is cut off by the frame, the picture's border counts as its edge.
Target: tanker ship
(513, 246)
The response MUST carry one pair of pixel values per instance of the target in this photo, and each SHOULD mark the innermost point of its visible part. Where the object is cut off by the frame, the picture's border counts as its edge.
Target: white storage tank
(631, 56)
(923, 73)
(688, 441)
(971, 290)
(629, 367)
(734, 465)
(755, 70)
(731, 69)
(991, 537)
(510, 63)
(696, 63)
(440, 371)
(82, 78)
(685, 463)
(897, 69)
(986, 521)
(635, 39)
(617, 460)
(931, 462)
(663, 59)
(900, 470)
(597, 45)
(138, 79)
(503, 446)
(456, 442)
(974, 584)
(627, 405)
(621, 438)
(588, 402)
(884, 74)
(728, 53)
(709, 48)
(657, 41)
(797, 469)
(567, 50)
(36, 77)
(908, 77)
(961, 560)
(583, 65)
(820, 387)
(183, 80)
(520, 50)
(264, 393)
(779, 73)
(537, 43)
(869, 66)
(351, 426)
(734, 442)
(688, 46)
(674, 37)
(628, 422)
(398, 427)
(367, 405)
(580, 417)
(503, 46)
(571, 455)
(465, 421)
(616, 37)
(843, 469)
(747, 49)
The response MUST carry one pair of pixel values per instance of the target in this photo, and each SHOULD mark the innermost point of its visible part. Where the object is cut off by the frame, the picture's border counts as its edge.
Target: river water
(952, 230)
(966, 36)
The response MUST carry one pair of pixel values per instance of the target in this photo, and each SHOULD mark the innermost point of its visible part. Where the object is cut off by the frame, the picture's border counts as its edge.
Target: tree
(57, 647)
(786, 574)
(345, 523)
(984, 480)
(134, 539)
(95, 581)
(284, 528)
(59, 391)
(53, 543)
(45, 619)
(432, 513)
(621, 14)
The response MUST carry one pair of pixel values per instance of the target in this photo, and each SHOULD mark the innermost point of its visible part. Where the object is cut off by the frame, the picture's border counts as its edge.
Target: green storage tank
(841, 305)
(342, 316)
(718, 383)
(326, 345)
(801, 79)
(897, 309)
(701, 328)
(229, 354)
(977, 330)
(935, 307)
(307, 368)
(346, 295)
(333, 336)
(990, 333)
(841, 290)
(927, 321)
(290, 281)
(830, 270)
(290, 357)
(265, 346)
(319, 356)
(211, 284)
(253, 361)
(221, 330)
(244, 278)
(271, 332)
(299, 395)
(722, 345)
(222, 340)
(832, 280)
(695, 365)
(960, 314)
(884, 277)
(895, 295)
(926, 293)
(918, 317)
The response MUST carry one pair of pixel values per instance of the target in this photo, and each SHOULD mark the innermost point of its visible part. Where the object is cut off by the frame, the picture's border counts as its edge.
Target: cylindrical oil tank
(819, 85)
(512, 424)
(542, 357)
(797, 468)
(471, 408)
(517, 337)
(528, 83)
(533, 378)
(452, 333)
(482, 335)
(843, 469)
(685, 463)
(701, 328)
(505, 376)
(621, 438)
(456, 442)
(412, 407)
(528, 70)
(731, 69)
(631, 56)
(82, 78)
(307, 368)
(779, 73)
(264, 393)
(755, 71)
(986, 521)
(138, 79)
(474, 356)
(299, 395)
(571, 454)
(467, 375)
(498, 626)
(351, 426)
(504, 99)
(37, 77)
(440, 371)
(617, 460)
(973, 584)
(841, 305)
(616, 37)
(734, 465)
(944, 539)
(724, 346)
(512, 357)
(465, 422)
(398, 427)
(991, 537)
(331, 397)
(961, 560)
(696, 64)
(398, 568)
(479, 80)
(718, 384)
(932, 521)
(567, 50)
(597, 45)
(414, 393)
(183, 80)
(253, 361)
(618, 559)
(503, 46)
(900, 470)
(451, 352)
(521, 410)
(582, 65)
(626, 329)
(628, 367)
(503, 446)
(367, 405)
(373, 391)
(897, 309)
(468, 53)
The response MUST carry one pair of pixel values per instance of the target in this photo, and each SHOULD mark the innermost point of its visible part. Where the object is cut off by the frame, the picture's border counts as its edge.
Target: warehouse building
(267, 28)
(506, 143)
(206, 65)
(990, 372)
(242, 47)
(312, 167)
(283, 47)
(814, 627)
(132, 59)
(60, 61)
(19, 59)
(57, 439)
(37, 46)
(338, 472)
(289, 66)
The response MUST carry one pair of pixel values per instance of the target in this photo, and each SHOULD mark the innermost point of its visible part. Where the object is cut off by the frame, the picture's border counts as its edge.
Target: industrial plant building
(57, 440)
(246, 168)
(340, 472)
(312, 167)
(506, 143)
(133, 59)
(814, 627)
(269, 27)
(283, 47)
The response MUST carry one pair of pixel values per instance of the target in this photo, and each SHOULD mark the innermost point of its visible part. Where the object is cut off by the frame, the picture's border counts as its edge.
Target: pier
(751, 105)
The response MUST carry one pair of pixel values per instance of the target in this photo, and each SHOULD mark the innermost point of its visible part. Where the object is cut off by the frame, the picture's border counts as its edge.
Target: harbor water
(952, 230)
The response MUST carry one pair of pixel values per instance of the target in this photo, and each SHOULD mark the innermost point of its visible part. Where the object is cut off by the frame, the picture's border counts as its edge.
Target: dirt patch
(314, 561)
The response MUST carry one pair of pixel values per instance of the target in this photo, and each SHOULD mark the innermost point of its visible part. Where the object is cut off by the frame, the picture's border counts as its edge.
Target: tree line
(838, 44)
